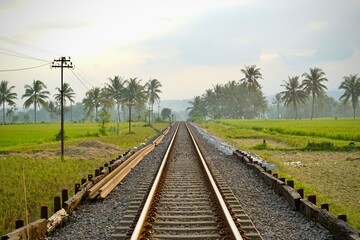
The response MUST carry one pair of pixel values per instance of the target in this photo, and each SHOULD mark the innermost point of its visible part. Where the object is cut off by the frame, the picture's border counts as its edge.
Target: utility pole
(62, 63)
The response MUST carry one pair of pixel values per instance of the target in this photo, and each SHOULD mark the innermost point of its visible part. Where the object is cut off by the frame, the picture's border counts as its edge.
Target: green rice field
(322, 156)
(30, 152)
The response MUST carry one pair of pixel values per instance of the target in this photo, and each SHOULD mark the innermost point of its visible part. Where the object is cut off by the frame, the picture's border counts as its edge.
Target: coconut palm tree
(94, 99)
(351, 85)
(115, 90)
(277, 100)
(252, 74)
(69, 94)
(198, 108)
(312, 84)
(152, 90)
(6, 96)
(36, 95)
(135, 94)
(293, 93)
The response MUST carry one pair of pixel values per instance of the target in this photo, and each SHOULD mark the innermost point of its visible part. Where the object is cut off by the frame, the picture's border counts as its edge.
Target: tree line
(245, 98)
(119, 93)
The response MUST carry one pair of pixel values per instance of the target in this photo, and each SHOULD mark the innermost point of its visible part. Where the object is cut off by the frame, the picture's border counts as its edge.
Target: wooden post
(301, 192)
(19, 223)
(64, 197)
(269, 171)
(77, 187)
(342, 217)
(312, 199)
(57, 204)
(325, 206)
(83, 180)
(282, 179)
(44, 212)
(90, 176)
(290, 183)
(275, 175)
(97, 172)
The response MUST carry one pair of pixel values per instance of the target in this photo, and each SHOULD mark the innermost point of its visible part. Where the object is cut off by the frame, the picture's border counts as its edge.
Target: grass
(32, 146)
(315, 154)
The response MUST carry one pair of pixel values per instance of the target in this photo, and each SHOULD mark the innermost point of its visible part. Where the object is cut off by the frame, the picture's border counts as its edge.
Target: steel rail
(137, 230)
(233, 228)
(141, 221)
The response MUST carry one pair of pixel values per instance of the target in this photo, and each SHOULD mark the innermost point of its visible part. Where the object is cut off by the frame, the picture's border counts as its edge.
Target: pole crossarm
(62, 63)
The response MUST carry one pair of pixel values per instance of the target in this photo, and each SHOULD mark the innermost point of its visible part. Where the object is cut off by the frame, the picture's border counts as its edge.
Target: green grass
(329, 167)
(31, 147)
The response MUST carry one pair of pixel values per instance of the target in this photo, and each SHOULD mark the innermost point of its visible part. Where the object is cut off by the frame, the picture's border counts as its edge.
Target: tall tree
(277, 100)
(251, 84)
(351, 85)
(6, 96)
(69, 95)
(312, 84)
(152, 90)
(94, 99)
(293, 93)
(252, 75)
(134, 93)
(115, 90)
(52, 109)
(197, 108)
(35, 95)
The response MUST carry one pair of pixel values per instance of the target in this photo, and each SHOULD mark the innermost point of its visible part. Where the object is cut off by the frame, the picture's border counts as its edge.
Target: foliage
(312, 85)
(6, 96)
(35, 95)
(351, 85)
(165, 113)
(293, 94)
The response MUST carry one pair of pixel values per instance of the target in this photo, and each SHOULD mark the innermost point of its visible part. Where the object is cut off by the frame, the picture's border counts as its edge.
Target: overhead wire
(81, 74)
(21, 69)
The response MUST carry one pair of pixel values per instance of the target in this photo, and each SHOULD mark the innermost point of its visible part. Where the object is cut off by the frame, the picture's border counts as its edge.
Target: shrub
(319, 146)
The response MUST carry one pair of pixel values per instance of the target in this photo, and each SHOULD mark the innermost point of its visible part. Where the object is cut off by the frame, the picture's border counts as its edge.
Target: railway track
(185, 200)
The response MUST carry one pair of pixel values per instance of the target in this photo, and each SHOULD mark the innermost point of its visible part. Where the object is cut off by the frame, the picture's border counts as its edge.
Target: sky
(188, 45)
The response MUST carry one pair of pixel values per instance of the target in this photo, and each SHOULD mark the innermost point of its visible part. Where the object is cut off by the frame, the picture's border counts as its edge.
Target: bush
(319, 146)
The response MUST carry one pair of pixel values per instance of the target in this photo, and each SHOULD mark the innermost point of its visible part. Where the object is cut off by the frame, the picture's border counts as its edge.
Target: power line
(20, 55)
(21, 69)
(30, 47)
(79, 79)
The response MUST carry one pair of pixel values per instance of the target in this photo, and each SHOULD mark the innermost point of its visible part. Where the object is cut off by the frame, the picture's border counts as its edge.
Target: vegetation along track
(186, 201)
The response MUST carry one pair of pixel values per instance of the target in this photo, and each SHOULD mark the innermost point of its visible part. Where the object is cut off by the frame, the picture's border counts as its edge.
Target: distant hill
(175, 105)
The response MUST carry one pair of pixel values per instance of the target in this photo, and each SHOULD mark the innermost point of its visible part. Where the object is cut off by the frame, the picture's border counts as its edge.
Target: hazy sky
(187, 45)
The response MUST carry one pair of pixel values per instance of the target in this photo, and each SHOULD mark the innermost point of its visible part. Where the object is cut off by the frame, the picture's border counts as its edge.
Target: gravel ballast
(270, 213)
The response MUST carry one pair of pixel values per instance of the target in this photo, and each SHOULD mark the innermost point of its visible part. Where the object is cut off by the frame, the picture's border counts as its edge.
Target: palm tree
(35, 95)
(69, 94)
(312, 85)
(252, 74)
(94, 99)
(152, 91)
(116, 91)
(277, 101)
(351, 85)
(6, 96)
(293, 93)
(197, 110)
(52, 109)
(134, 93)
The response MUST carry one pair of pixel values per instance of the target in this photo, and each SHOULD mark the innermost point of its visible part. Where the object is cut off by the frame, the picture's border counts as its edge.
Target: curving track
(186, 201)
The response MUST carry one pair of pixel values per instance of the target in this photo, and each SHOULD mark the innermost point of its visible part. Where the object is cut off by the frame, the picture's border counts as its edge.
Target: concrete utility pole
(62, 63)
